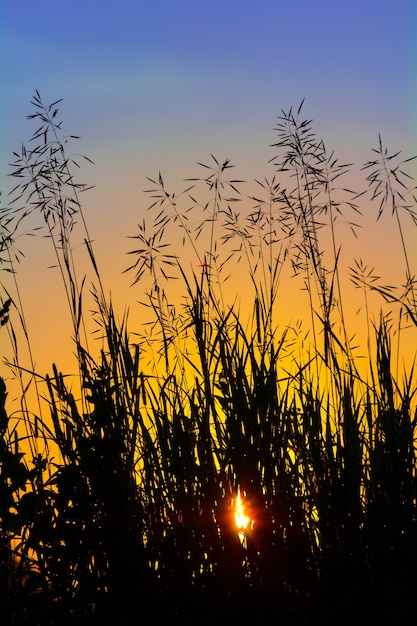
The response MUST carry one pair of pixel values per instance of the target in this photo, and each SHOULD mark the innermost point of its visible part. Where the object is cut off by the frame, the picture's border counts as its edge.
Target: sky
(161, 85)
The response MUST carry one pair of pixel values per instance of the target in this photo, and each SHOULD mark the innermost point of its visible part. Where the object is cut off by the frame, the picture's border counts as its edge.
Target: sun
(241, 519)
(243, 522)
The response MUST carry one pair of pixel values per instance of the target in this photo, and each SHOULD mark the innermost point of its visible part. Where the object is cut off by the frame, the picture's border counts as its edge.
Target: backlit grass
(120, 490)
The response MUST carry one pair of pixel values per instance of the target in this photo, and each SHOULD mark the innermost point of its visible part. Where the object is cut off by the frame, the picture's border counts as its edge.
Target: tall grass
(124, 503)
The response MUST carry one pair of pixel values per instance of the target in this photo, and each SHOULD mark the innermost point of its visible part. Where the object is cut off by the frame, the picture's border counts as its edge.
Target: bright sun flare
(241, 519)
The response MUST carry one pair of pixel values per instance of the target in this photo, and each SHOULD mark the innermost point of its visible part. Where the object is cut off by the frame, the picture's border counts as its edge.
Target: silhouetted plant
(125, 501)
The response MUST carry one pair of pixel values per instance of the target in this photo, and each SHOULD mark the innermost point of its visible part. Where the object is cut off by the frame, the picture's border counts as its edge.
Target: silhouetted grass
(123, 503)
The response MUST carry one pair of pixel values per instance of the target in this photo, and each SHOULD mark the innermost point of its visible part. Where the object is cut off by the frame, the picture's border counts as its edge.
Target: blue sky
(209, 75)
(162, 84)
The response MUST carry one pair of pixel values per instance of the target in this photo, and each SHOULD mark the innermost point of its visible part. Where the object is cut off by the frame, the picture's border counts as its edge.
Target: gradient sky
(160, 85)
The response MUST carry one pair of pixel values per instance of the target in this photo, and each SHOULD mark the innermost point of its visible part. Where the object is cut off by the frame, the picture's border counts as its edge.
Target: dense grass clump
(119, 490)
